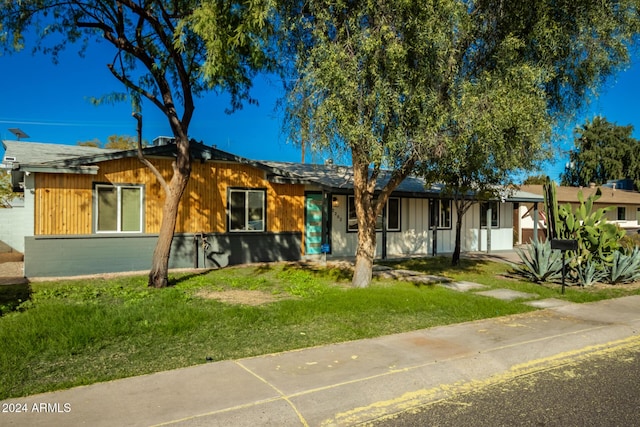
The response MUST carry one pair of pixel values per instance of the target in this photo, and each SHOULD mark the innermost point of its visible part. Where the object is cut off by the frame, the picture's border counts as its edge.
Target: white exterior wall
(475, 238)
(17, 223)
(632, 216)
(415, 238)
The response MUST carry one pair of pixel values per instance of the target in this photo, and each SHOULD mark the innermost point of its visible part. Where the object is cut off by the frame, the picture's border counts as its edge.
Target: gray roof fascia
(70, 156)
(282, 179)
(81, 170)
(524, 197)
(198, 152)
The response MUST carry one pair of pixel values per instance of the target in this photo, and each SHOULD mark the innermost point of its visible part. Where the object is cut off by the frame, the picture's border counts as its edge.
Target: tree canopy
(114, 142)
(603, 151)
(399, 84)
(166, 52)
(6, 190)
(536, 180)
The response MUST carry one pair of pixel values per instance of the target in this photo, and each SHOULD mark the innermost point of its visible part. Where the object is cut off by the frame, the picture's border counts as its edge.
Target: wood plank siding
(64, 202)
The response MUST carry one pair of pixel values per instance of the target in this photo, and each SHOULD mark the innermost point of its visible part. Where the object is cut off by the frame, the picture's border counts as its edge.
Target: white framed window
(392, 211)
(495, 218)
(118, 208)
(247, 209)
(440, 211)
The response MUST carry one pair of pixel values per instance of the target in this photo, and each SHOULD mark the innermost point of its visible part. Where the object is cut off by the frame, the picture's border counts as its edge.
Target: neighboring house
(625, 207)
(13, 228)
(90, 210)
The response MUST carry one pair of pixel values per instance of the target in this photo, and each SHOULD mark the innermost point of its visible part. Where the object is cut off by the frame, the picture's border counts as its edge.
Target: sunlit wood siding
(64, 202)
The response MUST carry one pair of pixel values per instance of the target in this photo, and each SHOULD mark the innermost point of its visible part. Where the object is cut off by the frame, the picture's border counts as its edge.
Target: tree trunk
(364, 258)
(455, 259)
(159, 274)
(366, 212)
(461, 209)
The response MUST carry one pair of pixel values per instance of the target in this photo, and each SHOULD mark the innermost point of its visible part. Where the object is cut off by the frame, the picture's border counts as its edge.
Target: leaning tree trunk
(159, 274)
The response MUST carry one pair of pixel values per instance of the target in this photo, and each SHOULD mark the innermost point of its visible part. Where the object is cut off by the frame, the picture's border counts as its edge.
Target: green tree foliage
(603, 151)
(95, 143)
(536, 180)
(160, 50)
(398, 84)
(6, 189)
(114, 142)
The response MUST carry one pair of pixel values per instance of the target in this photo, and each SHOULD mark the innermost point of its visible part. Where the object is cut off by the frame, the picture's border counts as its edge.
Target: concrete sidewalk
(342, 384)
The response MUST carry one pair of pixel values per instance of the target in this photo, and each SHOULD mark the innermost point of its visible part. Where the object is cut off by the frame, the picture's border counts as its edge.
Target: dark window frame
(247, 191)
(351, 208)
(495, 214)
(443, 208)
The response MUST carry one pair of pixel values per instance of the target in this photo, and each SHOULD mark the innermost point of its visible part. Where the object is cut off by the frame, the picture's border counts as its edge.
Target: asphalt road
(600, 390)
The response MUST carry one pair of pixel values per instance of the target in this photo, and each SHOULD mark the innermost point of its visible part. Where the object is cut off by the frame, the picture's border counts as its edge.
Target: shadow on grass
(11, 296)
(174, 281)
(439, 265)
(337, 274)
(263, 268)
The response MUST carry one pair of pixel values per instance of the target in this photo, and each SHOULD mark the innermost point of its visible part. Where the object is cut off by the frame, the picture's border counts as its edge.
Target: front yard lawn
(77, 332)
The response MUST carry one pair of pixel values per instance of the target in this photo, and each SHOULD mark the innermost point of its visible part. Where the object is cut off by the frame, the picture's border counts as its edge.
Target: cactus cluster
(598, 240)
(601, 256)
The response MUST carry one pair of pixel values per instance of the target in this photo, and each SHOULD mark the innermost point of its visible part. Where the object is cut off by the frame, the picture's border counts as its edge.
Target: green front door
(313, 226)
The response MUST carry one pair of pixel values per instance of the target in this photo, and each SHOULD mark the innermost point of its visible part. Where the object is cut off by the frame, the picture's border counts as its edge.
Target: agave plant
(539, 262)
(590, 272)
(625, 268)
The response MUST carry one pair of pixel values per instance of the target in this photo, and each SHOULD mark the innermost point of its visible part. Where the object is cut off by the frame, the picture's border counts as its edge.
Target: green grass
(71, 333)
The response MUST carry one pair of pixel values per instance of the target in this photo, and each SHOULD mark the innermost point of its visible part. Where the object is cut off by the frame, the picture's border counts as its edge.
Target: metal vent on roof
(163, 140)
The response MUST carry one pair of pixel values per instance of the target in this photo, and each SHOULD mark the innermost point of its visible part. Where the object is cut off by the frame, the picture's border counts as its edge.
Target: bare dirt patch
(628, 286)
(244, 297)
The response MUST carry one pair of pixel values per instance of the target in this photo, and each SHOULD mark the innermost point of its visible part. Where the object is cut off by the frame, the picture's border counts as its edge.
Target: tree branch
(146, 161)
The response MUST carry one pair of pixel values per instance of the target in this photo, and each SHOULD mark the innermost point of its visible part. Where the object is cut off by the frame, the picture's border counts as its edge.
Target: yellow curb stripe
(441, 392)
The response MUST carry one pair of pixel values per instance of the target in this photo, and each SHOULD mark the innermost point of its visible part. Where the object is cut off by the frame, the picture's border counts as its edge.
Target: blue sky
(50, 103)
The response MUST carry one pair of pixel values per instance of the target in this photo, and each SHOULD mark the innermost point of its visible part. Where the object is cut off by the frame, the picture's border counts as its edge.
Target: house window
(119, 208)
(247, 210)
(494, 214)
(392, 213)
(622, 213)
(440, 211)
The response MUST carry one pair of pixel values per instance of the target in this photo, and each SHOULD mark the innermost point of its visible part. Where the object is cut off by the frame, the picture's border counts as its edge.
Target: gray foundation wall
(51, 256)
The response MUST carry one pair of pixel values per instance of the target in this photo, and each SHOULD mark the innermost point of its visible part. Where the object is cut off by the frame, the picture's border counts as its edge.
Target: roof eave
(78, 170)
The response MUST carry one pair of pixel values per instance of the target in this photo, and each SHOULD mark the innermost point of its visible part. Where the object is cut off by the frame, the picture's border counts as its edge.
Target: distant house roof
(58, 158)
(610, 196)
(38, 152)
